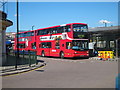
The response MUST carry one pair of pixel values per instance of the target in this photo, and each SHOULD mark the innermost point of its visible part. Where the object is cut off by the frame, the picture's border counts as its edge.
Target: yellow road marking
(22, 72)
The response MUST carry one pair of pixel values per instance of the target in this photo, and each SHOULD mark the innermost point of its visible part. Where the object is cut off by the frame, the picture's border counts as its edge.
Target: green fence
(22, 58)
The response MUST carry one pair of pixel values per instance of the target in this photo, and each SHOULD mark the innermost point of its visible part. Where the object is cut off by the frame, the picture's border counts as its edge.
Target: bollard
(117, 84)
(99, 54)
(112, 54)
(16, 60)
(29, 58)
(33, 57)
(23, 54)
(108, 54)
(13, 53)
(36, 58)
(105, 55)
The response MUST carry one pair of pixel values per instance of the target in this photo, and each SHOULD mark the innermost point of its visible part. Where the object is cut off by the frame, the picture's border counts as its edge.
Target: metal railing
(26, 59)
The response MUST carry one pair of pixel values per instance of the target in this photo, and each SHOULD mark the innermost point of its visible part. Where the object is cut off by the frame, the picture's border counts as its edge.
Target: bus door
(68, 49)
(55, 50)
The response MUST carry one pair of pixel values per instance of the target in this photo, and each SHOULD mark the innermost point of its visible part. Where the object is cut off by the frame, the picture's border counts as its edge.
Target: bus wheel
(62, 55)
(43, 54)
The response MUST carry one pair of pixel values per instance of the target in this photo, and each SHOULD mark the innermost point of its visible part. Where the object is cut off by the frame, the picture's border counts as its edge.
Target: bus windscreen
(79, 45)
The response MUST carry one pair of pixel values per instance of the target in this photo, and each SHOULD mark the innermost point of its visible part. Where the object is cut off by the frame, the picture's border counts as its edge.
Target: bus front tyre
(62, 55)
(43, 54)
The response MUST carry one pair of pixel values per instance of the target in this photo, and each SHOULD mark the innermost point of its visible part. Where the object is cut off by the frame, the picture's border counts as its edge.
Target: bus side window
(32, 33)
(45, 45)
(22, 45)
(53, 31)
(49, 44)
(60, 30)
(67, 28)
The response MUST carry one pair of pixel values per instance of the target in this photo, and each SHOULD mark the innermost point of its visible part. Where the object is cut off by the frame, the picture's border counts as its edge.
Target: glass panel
(81, 45)
(80, 35)
(101, 44)
(68, 45)
(33, 45)
(112, 44)
(60, 30)
(67, 28)
(22, 45)
(28, 33)
(77, 45)
(38, 33)
(25, 34)
(80, 31)
(46, 45)
(80, 28)
(54, 30)
(44, 32)
(32, 33)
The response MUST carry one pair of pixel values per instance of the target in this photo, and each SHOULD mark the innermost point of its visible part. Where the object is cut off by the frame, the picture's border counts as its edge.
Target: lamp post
(17, 5)
(105, 22)
(117, 47)
(33, 27)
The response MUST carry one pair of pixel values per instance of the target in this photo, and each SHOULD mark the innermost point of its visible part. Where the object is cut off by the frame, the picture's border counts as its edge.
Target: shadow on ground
(39, 70)
(75, 58)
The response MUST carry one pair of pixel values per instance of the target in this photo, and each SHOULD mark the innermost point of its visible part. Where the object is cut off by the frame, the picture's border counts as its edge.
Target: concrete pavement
(10, 70)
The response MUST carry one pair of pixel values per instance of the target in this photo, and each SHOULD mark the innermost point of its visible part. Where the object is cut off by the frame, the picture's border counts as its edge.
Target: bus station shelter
(106, 39)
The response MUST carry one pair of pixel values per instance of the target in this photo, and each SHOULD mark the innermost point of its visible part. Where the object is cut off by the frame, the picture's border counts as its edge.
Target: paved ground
(67, 73)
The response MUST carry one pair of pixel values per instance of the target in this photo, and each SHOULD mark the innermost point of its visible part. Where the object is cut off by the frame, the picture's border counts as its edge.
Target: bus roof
(61, 25)
(53, 27)
(26, 31)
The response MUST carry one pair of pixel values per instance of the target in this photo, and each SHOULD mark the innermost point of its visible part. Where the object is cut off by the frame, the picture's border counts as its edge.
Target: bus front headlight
(87, 52)
(75, 52)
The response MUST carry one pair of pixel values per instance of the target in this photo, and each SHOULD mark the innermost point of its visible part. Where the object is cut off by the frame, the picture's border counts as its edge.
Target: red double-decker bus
(67, 40)
(26, 41)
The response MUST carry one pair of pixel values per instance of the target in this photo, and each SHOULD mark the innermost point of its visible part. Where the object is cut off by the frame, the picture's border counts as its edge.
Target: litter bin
(117, 84)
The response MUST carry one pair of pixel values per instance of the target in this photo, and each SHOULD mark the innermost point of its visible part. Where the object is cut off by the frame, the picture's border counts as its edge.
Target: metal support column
(17, 34)
(117, 48)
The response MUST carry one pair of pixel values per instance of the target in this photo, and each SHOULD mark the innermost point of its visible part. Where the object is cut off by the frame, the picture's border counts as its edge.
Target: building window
(112, 44)
(101, 44)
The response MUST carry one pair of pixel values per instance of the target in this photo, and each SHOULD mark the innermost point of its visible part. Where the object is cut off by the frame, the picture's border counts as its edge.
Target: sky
(46, 14)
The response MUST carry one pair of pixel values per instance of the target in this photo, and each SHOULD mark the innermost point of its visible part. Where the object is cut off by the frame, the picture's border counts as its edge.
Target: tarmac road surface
(66, 73)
